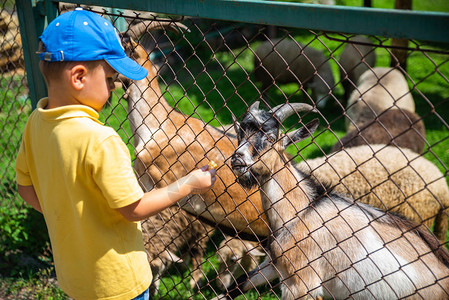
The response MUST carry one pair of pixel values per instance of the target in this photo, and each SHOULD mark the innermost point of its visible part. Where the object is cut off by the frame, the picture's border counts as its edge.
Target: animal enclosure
(382, 101)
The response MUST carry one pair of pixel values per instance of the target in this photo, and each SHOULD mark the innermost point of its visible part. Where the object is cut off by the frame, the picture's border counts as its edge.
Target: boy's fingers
(213, 176)
(213, 172)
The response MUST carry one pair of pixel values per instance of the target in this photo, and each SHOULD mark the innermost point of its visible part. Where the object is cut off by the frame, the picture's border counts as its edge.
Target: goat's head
(261, 141)
(135, 31)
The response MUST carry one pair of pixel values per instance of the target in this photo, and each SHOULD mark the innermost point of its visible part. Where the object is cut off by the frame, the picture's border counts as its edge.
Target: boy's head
(83, 36)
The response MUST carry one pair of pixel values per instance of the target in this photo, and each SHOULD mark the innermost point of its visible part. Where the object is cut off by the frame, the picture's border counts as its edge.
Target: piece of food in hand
(212, 165)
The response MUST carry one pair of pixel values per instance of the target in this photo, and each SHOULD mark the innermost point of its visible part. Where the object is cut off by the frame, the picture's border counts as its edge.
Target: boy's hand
(201, 180)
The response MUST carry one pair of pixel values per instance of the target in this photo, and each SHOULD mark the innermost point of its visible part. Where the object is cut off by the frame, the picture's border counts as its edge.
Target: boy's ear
(78, 76)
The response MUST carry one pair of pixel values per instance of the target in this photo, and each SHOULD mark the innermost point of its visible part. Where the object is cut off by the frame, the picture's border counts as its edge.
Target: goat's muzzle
(238, 165)
(243, 171)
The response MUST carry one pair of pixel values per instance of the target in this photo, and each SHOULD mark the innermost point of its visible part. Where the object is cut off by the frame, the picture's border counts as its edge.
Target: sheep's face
(229, 266)
(261, 143)
(236, 257)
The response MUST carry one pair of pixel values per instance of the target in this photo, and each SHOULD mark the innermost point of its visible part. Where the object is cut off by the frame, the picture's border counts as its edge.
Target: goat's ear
(129, 44)
(301, 133)
(256, 252)
(254, 107)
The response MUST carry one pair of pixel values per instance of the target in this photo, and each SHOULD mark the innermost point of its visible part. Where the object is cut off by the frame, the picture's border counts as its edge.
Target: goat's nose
(237, 159)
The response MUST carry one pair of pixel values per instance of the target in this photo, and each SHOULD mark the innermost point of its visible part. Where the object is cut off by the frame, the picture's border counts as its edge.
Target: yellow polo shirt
(81, 171)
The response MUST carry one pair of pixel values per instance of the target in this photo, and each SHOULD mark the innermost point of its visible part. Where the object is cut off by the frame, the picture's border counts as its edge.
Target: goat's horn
(138, 29)
(285, 110)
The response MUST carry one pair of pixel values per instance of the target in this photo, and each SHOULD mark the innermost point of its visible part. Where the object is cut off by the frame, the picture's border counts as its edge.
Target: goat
(325, 244)
(378, 89)
(168, 144)
(286, 61)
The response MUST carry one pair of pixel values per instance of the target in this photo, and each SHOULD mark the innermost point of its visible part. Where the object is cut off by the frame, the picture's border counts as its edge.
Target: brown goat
(169, 144)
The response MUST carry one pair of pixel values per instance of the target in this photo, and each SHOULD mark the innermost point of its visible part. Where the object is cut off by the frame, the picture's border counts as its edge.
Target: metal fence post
(32, 20)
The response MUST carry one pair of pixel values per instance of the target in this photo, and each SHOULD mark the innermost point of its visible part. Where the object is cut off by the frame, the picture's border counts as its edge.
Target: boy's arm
(28, 194)
(156, 200)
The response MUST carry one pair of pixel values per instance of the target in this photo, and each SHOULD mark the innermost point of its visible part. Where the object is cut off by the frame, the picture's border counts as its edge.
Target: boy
(78, 173)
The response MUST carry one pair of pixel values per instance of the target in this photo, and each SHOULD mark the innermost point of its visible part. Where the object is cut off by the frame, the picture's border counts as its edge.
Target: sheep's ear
(301, 133)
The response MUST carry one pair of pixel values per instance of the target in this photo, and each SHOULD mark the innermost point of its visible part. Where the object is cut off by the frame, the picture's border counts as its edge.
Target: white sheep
(287, 61)
(390, 178)
(378, 89)
(398, 127)
(357, 56)
(175, 232)
(237, 257)
(325, 244)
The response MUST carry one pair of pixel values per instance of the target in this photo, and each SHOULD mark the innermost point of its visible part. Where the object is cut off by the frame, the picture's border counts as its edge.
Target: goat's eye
(271, 138)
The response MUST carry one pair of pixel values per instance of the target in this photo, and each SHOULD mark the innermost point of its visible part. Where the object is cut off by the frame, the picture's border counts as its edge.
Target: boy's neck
(59, 94)
(59, 100)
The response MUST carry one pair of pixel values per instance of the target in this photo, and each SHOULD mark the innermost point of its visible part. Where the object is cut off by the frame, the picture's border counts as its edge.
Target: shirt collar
(67, 111)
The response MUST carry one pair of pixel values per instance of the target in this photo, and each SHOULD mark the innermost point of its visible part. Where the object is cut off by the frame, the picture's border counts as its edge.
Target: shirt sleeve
(113, 173)
(22, 171)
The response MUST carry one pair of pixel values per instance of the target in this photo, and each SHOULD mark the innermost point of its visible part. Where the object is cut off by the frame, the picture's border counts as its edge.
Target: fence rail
(383, 109)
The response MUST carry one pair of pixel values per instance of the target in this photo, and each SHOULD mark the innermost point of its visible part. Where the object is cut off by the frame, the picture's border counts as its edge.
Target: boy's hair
(53, 70)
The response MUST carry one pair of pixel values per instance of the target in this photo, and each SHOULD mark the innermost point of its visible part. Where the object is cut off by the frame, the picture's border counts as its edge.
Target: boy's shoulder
(73, 121)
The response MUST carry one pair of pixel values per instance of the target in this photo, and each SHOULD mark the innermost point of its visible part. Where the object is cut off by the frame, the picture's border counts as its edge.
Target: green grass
(31, 286)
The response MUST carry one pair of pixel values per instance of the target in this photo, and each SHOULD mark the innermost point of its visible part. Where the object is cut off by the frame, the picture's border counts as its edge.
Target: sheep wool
(357, 57)
(390, 178)
(169, 233)
(378, 89)
(398, 127)
(287, 61)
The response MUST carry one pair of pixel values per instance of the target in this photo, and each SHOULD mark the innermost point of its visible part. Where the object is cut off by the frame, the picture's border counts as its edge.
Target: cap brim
(128, 68)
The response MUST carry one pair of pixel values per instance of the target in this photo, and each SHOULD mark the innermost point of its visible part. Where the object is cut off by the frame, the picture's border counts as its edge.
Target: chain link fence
(382, 140)
(14, 106)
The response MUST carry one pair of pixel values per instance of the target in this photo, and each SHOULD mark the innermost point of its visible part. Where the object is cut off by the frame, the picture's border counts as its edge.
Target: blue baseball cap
(81, 35)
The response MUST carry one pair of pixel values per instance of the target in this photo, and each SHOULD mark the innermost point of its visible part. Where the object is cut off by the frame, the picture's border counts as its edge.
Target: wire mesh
(14, 107)
(382, 140)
